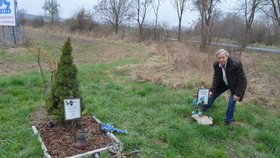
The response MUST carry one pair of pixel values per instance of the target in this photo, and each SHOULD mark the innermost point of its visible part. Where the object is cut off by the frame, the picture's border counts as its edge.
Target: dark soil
(61, 140)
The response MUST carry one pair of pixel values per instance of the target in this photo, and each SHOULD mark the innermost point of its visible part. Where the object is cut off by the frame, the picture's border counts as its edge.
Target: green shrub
(65, 82)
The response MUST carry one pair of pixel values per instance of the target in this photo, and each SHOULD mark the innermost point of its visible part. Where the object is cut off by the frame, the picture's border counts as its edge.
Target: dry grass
(87, 47)
(11, 65)
(176, 65)
(263, 86)
(181, 65)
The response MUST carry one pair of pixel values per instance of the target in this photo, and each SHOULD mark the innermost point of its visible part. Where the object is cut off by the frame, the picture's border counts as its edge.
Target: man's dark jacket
(236, 78)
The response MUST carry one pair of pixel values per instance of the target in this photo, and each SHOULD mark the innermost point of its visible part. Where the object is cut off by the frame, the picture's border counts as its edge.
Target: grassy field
(156, 116)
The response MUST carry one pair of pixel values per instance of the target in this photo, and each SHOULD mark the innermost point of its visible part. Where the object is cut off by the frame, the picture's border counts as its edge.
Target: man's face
(222, 58)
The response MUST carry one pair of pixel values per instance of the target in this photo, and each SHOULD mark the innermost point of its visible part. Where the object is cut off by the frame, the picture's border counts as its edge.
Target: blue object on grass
(198, 103)
(110, 128)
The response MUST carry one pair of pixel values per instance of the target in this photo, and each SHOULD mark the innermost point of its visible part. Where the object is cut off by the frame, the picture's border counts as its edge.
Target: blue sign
(6, 5)
(7, 13)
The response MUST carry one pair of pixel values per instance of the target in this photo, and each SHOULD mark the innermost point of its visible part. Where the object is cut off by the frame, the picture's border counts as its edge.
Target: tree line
(252, 21)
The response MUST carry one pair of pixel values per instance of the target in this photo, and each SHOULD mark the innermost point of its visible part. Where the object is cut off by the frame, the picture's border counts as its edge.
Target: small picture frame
(203, 93)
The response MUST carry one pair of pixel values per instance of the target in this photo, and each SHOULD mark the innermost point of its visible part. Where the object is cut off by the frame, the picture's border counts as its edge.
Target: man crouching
(228, 74)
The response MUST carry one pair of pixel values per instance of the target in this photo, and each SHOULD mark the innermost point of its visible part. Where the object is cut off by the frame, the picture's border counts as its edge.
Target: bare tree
(51, 8)
(38, 22)
(81, 21)
(180, 6)
(156, 4)
(21, 16)
(141, 12)
(228, 26)
(206, 9)
(272, 9)
(268, 22)
(248, 10)
(114, 12)
(165, 29)
(276, 9)
(43, 58)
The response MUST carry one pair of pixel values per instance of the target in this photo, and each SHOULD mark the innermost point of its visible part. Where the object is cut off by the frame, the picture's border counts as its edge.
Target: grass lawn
(156, 117)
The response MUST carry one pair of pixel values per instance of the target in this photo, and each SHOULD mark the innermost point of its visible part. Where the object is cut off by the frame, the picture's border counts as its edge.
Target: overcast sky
(167, 13)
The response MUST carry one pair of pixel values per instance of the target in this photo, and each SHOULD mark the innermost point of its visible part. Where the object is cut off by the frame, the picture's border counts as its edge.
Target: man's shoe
(227, 123)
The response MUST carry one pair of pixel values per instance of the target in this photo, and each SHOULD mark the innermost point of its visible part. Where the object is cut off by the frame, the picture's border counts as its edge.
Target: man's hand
(236, 98)
(210, 94)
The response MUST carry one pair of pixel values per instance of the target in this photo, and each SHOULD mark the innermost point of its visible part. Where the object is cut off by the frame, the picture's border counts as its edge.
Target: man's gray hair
(221, 51)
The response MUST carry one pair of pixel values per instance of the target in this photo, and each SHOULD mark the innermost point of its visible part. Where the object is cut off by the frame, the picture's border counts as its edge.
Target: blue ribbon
(197, 103)
(110, 128)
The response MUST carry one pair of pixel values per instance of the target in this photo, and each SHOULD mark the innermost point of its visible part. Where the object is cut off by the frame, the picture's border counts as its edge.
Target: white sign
(7, 13)
(72, 109)
(203, 94)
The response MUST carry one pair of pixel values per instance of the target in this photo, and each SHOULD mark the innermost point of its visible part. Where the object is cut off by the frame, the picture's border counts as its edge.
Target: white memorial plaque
(72, 109)
(202, 92)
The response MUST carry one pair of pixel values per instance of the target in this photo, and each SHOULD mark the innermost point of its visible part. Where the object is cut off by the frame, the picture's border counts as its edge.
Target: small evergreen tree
(65, 83)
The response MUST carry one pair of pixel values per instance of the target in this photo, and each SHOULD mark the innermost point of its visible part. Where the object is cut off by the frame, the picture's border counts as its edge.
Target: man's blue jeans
(231, 104)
